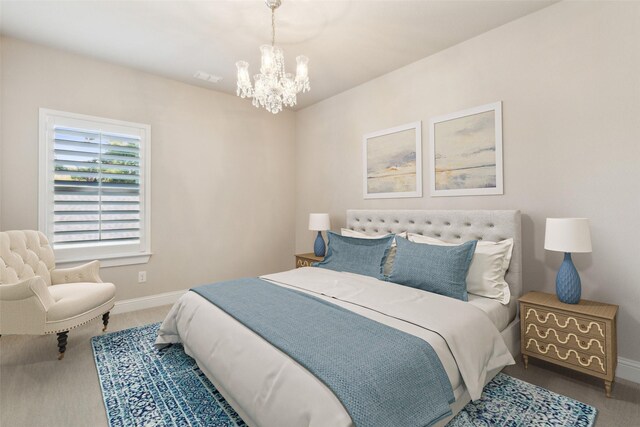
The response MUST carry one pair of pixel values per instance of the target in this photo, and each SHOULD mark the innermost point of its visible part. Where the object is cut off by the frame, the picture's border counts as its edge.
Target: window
(94, 188)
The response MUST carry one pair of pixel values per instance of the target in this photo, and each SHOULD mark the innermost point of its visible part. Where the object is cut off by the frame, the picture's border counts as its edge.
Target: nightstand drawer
(570, 340)
(592, 362)
(307, 260)
(582, 327)
(304, 262)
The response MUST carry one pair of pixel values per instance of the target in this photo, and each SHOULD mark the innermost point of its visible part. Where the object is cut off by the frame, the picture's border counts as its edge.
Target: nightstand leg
(525, 359)
(607, 387)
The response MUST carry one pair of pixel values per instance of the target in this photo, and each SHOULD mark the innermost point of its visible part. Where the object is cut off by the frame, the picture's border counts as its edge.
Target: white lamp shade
(567, 235)
(319, 222)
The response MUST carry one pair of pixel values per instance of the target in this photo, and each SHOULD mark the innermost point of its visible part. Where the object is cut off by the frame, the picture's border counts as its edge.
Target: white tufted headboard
(450, 226)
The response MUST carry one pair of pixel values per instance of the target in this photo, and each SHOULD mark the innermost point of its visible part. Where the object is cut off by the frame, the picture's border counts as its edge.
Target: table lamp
(568, 235)
(319, 222)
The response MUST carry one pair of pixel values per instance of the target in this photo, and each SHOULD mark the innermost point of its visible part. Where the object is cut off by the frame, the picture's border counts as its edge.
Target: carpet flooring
(38, 390)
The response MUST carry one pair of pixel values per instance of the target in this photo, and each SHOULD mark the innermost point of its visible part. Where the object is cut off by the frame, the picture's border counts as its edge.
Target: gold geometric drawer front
(571, 340)
(550, 319)
(303, 263)
(307, 260)
(588, 361)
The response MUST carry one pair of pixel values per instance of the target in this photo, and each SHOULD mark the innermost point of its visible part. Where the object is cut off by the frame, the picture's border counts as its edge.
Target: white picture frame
(392, 162)
(465, 152)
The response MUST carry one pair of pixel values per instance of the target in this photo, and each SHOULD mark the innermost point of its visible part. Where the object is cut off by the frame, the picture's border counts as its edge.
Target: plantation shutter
(94, 193)
(96, 187)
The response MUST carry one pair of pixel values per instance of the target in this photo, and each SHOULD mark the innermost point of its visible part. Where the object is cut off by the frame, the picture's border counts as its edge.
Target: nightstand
(305, 260)
(579, 336)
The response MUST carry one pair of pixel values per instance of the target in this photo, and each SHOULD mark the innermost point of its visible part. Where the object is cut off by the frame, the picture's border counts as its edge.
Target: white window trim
(45, 189)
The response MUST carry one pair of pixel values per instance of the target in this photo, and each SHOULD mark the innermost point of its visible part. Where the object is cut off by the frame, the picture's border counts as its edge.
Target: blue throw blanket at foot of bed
(382, 376)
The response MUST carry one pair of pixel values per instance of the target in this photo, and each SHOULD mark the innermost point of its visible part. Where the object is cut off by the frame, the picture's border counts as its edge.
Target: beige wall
(222, 171)
(569, 79)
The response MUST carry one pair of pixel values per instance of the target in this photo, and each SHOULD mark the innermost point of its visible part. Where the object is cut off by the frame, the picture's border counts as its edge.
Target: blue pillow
(360, 256)
(439, 269)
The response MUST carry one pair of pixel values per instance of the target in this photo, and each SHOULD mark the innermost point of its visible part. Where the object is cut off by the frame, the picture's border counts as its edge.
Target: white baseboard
(628, 369)
(127, 305)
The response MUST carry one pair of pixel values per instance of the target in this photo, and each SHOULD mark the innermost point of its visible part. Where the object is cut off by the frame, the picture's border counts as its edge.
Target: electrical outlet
(142, 276)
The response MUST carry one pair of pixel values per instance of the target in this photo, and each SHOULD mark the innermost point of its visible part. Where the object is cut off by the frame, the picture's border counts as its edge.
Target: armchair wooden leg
(62, 343)
(105, 321)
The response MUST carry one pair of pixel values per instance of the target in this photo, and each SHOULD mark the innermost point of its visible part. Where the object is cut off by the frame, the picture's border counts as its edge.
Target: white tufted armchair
(37, 299)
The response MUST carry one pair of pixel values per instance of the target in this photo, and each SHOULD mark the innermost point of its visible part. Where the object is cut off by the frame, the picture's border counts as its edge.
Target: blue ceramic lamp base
(318, 245)
(568, 287)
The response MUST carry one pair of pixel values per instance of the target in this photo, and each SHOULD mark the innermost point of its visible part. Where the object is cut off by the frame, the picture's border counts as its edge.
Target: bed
(268, 388)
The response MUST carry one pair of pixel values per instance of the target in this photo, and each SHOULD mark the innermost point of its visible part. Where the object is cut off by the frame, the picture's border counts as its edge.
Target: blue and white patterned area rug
(142, 386)
(508, 401)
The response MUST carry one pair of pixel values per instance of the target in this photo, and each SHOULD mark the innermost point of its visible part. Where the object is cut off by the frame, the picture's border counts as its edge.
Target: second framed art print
(465, 152)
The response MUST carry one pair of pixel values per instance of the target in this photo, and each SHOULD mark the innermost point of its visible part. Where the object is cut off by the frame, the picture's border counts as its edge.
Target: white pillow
(488, 267)
(360, 235)
(388, 264)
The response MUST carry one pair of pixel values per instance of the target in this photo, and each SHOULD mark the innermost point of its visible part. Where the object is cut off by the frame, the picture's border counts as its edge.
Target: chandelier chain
(273, 26)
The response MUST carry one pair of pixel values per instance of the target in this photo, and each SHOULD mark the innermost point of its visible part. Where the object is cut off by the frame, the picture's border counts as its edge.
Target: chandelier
(273, 87)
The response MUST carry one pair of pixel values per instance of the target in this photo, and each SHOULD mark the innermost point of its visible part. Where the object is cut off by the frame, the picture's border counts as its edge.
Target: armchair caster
(105, 321)
(62, 344)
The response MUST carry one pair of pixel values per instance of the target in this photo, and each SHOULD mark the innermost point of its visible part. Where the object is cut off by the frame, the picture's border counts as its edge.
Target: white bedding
(501, 315)
(268, 388)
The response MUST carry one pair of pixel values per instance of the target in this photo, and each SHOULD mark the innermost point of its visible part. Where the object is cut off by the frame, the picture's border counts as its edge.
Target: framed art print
(393, 162)
(465, 152)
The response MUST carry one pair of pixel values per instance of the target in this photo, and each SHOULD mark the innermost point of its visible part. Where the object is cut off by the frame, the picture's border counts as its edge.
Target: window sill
(108, 261)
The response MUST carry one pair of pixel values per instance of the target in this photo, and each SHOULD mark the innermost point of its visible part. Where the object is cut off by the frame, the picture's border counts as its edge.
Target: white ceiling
(347, 42)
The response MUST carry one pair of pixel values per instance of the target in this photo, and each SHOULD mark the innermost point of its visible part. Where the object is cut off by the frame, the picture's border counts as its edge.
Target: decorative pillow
(392, 252)
(360, 256)
(488, 267)
(433, 268)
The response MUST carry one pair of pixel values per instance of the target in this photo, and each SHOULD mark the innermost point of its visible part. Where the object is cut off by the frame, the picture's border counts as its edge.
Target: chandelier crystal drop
(273, 87)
